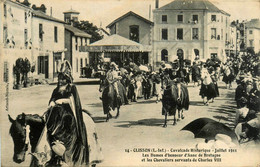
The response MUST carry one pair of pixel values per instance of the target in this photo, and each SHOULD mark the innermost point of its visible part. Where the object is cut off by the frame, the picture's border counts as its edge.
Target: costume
(112, 78)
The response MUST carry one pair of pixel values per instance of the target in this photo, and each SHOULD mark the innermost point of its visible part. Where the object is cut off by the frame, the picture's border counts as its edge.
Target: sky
(103, 12)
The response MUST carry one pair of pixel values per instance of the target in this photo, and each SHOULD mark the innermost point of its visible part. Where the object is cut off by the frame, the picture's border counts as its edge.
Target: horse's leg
(179, 116)
(165, 119)
(117, 114)
(182, 116)
(107, 119)
(174, 118)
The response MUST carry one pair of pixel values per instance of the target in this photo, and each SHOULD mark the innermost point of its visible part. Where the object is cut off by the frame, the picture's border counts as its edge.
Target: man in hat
(240, 90)
(113, 77)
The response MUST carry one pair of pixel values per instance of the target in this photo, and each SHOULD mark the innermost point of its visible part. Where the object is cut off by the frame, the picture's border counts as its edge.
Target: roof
(71, 11)
(130, 14)
(114, 40)
(42, 15)
(76, 31)
(117, 43)
(19, 4)
(254, 23)
(191, 5)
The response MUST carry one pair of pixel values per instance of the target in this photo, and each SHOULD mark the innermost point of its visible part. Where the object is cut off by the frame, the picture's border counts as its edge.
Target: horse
(60, 125)
(25, 129)
(172, 101)
(110, 100)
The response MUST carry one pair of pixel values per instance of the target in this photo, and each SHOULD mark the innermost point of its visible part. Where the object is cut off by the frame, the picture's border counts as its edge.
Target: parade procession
(177, 85)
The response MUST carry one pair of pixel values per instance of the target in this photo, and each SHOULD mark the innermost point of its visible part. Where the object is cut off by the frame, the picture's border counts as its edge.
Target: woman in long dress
(67, 134)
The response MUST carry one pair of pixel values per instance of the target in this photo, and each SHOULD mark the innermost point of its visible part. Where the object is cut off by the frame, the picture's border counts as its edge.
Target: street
(139, 125)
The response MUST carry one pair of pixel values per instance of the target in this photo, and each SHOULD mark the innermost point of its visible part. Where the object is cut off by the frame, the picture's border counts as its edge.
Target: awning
(117, 43)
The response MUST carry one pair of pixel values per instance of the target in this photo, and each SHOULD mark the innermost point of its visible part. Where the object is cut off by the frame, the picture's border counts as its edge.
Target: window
(221, 34)
(76, 43)
(221, 19)
(180, 34)
(81, 62)
(213, 18)
(180, 18)
(67, 19)
(164, 55)
(55, 34)
(25, 17)
(5, 11)
(213, 33)
(251, 43)
(77, 64)
(25, 38)
(164, 34)
(180, 54)
(195, 18)
(5, 35)
(164, 18)
(195, 33)
(250, 31)
(134, 33)
(86, 62)
(75, 18)
(41, 32)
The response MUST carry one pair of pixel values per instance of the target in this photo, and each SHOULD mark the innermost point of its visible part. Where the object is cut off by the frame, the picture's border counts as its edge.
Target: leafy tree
(89, 28)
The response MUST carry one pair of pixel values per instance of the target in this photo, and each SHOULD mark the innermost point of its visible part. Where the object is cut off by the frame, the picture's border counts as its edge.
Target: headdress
(65, 69)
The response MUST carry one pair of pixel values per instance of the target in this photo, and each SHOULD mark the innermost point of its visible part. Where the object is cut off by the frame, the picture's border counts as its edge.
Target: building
(75, 43)
(189, 28)
(136, 28)
(15, 37)
(232, 46)
(32, 34)
(47, 44)
(252, 34)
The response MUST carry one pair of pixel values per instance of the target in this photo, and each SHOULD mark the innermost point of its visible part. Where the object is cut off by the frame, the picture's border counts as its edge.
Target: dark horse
(109, 98)
(172, 102)
(21, 134)
(60, 125)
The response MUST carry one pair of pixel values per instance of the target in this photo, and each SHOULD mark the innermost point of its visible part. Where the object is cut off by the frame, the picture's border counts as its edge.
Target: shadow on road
(96, 104)
(197, 103)
(99, 119)
(226, 112)
(143, 122)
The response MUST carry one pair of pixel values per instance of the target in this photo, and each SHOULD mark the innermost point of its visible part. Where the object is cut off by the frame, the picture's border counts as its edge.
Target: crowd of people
(147, 83)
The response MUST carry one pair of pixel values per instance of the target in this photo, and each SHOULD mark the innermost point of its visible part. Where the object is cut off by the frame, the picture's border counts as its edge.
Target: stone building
(189, 28)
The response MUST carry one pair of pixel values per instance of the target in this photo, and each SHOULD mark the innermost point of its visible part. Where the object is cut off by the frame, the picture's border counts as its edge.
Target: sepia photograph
(129, 83)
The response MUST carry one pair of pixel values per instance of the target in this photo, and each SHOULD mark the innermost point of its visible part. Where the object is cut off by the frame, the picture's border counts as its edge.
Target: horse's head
(20, 137)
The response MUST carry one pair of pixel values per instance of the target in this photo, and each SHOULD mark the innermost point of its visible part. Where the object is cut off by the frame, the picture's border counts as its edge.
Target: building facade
(31, 34)
(76, 54)
(15, 34)
(47, 44)
(190, 28)
(136, 28)
(75, 43)
(252, 30)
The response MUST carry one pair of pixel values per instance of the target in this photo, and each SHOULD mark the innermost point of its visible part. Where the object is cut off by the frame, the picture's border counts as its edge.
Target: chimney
(156, 4)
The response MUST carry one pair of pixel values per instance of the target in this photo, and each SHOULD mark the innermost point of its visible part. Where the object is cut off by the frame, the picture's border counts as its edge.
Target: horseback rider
(112, 77)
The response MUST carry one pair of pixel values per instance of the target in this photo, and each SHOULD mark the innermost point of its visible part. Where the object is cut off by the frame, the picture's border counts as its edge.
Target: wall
(204, 44)
(48, 46)
(122, 29)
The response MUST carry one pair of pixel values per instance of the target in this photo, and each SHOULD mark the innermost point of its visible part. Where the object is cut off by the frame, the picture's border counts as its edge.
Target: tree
(89, 28)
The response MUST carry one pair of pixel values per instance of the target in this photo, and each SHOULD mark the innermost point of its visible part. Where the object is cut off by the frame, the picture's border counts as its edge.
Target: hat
(65, 69)
(254, 123)
(113, 64)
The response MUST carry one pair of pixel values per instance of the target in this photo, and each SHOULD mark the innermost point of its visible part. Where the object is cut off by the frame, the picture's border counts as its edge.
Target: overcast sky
(105, 11)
